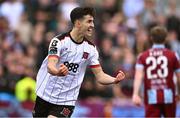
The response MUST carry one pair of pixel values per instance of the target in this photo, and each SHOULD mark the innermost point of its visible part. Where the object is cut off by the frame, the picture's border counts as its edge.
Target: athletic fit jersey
(64, 90)
(159, 65)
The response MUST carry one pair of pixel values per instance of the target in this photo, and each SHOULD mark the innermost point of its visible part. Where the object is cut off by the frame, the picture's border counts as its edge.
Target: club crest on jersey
(66, 112)
(85, 55)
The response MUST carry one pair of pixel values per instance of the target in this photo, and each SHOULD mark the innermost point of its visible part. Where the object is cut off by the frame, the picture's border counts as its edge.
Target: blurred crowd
(122, 32)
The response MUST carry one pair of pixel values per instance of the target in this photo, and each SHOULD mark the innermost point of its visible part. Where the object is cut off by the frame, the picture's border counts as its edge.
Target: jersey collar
(74, 40)
(158, 46)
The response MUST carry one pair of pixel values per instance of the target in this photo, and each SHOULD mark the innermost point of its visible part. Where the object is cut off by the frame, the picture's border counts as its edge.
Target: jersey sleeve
(177, 64)
(54, 48)
(94, 60)
(139, 62)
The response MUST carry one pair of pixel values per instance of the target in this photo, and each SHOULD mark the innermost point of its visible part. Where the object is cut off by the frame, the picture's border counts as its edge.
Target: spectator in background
(127, 65)
(141, 40)
(65, 8)
(87, 90)
(173, 24)
(62, 24)
(132, 8)
(105, 54)
(24, 29)
(38, 40)
(43, 11)
(12, 10)
(173, 41)
(171, 8)
(157, 66)
(4, 82)
(23, 87)
(149, 12)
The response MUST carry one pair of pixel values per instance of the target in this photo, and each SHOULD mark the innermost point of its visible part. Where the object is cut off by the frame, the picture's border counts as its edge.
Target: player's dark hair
(79, 12)
(158, 34)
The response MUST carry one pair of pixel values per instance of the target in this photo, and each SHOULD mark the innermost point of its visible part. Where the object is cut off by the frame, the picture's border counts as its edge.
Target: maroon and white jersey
(159, 65)
(64, 90)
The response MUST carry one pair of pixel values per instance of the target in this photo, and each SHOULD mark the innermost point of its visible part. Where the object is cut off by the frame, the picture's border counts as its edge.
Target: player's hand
(120, 76)
(63, 70)
(136, 99)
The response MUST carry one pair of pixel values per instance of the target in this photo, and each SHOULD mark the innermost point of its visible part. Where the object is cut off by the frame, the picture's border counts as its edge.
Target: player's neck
(76, 35)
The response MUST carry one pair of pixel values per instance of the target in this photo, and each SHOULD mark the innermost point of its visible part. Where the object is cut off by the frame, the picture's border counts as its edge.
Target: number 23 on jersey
(157, 67)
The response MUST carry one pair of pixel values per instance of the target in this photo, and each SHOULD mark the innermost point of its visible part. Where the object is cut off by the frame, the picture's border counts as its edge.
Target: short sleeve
(54, 47)
(94, 60)
(177, 64)
(139, 63)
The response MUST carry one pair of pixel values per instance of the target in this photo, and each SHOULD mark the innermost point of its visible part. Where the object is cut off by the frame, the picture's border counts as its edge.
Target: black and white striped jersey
(64, 90)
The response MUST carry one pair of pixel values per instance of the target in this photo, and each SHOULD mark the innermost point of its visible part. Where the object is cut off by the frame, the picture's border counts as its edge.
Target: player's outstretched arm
(52, 69)
(136, 99)
(105, 79)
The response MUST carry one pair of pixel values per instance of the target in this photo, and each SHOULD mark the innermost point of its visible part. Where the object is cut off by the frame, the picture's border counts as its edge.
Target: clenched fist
(63, 70)
(120, 76)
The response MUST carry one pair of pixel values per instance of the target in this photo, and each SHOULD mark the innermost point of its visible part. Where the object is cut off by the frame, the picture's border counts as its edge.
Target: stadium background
(122, 27)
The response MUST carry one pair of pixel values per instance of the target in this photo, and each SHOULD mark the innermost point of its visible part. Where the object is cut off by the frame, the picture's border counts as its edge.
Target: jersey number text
(160, 61)
(71, 66)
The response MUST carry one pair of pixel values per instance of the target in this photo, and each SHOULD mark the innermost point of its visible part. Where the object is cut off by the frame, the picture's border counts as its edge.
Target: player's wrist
(116, 81)
(135, 95)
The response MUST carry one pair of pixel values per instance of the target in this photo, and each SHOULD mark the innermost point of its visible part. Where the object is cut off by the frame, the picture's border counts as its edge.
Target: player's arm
(104, 78)
(177, 73)
(178, 82)
(53, 59)
(139, 73)
(53, 69)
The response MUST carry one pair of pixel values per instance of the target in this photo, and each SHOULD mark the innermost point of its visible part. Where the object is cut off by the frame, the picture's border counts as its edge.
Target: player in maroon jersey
(157, 66)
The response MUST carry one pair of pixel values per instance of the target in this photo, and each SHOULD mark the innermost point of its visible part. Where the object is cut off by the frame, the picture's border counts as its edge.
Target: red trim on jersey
(94, 66)
(53, 56)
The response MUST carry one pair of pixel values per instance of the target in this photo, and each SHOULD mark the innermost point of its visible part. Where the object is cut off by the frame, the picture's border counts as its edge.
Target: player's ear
(78, 23)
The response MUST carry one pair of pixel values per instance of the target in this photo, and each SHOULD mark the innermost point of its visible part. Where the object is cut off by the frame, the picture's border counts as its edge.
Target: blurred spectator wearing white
(12, 10)
(24, 28)
(132, 8)
(66, 6)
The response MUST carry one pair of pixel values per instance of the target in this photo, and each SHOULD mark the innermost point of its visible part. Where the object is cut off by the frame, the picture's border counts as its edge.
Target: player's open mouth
(90, 30)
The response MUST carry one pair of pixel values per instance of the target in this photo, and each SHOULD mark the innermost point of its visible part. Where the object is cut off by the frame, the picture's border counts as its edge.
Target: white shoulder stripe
(177, 56)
